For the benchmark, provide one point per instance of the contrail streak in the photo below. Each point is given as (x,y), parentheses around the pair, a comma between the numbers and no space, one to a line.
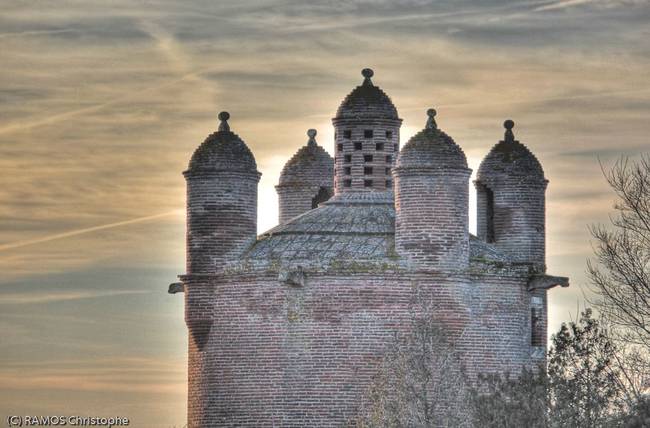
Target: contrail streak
(19,244)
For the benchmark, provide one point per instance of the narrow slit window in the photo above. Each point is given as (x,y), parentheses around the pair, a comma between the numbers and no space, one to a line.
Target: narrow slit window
(387,171)
(367,133)
(536,327)
(339,147)
(396,148)
(489,215)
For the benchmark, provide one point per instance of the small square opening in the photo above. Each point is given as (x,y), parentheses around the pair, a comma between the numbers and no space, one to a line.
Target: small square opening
(379,146)
(347,158)
(347,183)
(389,135)
(387,171)
(367,133)
(367,183)
(389,183)
(367,170)
(347,134)
(389,159)
(347,170)
(358,145)
(367,158)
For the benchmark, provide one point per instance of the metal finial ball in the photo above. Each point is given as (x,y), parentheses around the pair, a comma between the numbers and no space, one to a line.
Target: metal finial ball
(367,73)
(224,115)
(431,112)
(509,124)
(311,133)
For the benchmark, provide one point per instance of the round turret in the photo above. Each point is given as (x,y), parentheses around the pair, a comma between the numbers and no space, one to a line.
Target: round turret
(367,139)
(432,201)
(221,200)
(307,179)
(511,189)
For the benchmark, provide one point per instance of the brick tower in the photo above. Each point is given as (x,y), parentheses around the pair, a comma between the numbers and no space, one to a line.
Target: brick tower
(511,208)
(306,180)
(222,180)
(432,200)
(366,133)
(289,328)
(510,190)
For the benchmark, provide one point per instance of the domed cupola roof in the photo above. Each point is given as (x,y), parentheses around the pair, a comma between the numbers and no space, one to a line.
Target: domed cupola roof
(222,150)
(310,164)
(510,157)
(431,148)
(367,101)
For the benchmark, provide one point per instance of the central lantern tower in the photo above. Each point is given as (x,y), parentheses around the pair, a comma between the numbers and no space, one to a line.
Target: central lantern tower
(367,139)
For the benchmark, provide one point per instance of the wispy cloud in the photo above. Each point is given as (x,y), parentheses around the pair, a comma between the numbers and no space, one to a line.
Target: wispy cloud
(72,233)
(62,296)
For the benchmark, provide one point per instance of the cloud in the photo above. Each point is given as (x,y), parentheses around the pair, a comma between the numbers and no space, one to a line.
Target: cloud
(63,296)
(72,233)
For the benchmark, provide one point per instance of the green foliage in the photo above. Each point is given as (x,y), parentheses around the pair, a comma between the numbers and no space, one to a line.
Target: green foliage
(504,401)
(582,375)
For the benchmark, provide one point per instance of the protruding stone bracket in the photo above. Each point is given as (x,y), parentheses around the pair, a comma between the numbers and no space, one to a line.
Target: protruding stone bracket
(546,282)
(294,277)
(176,287)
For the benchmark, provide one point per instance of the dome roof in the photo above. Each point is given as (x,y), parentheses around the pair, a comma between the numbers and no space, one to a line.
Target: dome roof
(511,158)
(367,101)
(310,164)
(355,228)
(431,148)
(222,150)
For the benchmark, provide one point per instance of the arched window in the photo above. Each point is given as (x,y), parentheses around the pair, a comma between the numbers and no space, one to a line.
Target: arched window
(323,195)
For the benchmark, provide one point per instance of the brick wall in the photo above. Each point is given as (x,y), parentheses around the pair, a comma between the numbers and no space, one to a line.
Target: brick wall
(289,356)
(518,216)
(431,217)
(221,218)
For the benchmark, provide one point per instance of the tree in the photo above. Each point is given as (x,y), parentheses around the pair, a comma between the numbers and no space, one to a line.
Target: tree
(583,385)
(506,401)
(582,375)
(620,276)
(420,383)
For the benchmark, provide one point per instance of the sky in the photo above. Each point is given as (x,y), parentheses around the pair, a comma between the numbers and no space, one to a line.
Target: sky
(102,104)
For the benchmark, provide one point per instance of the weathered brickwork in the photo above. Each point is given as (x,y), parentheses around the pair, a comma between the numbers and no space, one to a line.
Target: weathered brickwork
(288,328)
(366,137)
(306,180)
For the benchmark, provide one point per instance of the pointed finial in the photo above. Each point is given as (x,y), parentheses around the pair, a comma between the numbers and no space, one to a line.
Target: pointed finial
(509,135)
(431,122)
(367,73)
(312,136)
(223,117)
